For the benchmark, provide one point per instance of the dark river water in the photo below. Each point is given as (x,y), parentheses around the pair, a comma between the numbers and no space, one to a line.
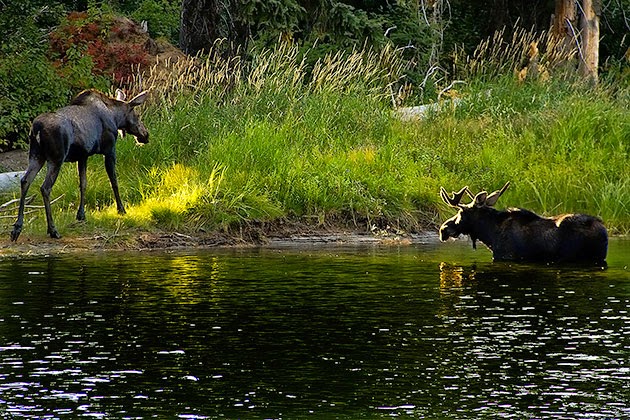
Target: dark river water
(430,330)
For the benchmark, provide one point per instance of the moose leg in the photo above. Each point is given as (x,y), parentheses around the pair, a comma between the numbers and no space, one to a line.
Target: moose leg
(110,167)
(34,165)
(82,163)
(51,177)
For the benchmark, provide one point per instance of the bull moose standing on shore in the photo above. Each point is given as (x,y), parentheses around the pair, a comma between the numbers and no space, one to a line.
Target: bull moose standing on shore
(88,126)
(521,235)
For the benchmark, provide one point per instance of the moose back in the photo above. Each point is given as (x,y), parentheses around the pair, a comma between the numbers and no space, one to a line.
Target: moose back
(88,126)
(521,235)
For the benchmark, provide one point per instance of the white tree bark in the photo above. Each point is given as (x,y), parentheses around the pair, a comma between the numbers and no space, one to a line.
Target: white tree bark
(589,28)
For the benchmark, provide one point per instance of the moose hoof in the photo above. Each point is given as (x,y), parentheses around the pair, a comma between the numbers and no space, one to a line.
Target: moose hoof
(54,234)
(81,215)
(121,211)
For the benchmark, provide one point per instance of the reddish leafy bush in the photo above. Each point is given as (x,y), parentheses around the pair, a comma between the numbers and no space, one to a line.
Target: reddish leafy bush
(115,46)
(126,59)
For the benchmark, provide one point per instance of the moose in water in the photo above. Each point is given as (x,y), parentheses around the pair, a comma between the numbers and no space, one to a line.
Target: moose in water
(521,235)
(88,126)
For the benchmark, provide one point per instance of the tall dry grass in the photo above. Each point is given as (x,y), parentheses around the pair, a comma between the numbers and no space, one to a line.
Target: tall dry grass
(171,77)
(282,70)
(506,54)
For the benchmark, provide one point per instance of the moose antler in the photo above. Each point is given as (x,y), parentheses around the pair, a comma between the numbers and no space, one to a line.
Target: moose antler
(457,196)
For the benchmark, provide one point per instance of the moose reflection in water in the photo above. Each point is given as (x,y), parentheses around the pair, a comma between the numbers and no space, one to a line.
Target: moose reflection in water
(521,235)
(88,126)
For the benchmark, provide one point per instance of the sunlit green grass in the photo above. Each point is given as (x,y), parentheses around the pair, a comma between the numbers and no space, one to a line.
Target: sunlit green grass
(332,152)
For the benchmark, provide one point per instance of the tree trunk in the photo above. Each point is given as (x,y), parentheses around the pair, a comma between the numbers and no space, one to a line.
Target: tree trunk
(585,37)
(500,14)
(203,22)
(437,26)
(198,29)
(565,22)
(589,27)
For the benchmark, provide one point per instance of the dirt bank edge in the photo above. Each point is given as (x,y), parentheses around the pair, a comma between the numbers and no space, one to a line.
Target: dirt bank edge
(37,244)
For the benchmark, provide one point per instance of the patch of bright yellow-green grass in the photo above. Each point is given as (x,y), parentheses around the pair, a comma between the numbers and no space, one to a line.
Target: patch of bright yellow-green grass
(170,196)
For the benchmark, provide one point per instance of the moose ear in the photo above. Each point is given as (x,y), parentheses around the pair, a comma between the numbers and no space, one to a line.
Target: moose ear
(120,95)
(494,197)
(139,99)
(480,199)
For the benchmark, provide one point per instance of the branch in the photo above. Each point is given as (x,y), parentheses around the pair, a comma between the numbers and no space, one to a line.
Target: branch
(5,206)
(576,39)
(449,87)
(41,207)
(10,216)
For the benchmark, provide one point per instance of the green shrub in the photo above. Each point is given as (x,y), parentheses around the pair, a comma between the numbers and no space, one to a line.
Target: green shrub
(30,83)
(91,47)
(29,86)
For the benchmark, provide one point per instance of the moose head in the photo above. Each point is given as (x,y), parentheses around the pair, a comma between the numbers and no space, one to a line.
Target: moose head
(132,123)
(470,217)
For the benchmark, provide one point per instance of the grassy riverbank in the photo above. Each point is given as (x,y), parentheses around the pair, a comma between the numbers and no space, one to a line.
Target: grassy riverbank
(227,150)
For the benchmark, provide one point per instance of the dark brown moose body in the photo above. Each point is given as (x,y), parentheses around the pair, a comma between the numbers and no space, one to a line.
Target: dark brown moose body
(521,235)
(88,126)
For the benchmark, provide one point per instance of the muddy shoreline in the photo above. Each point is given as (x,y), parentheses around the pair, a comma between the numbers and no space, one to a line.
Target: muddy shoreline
(37,245)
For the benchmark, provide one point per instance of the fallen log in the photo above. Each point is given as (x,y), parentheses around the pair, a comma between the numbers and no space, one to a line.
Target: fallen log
(10,180)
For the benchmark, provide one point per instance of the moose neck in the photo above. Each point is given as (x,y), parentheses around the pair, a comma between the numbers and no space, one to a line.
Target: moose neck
(487,227)
(119,116)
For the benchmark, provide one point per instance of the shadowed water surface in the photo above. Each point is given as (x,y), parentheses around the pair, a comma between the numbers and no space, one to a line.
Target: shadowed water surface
(430,330)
